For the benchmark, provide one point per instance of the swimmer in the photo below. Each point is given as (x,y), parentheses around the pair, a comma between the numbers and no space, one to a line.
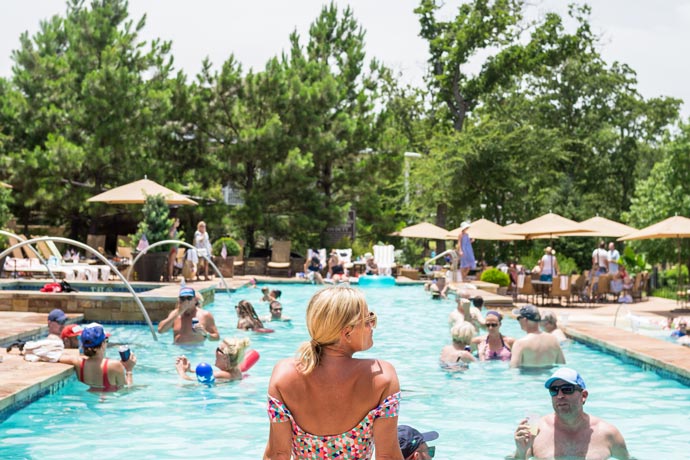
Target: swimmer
(494,345)
(180,319)
(549,323)
(458,355)
(247,319)
(276,309)
(229,355)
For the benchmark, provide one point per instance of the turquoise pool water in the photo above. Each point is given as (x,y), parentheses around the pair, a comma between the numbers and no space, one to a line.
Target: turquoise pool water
(475,412)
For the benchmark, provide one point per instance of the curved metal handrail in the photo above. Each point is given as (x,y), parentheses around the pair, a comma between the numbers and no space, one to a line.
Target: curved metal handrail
(188,246)
(21,238)
(453,254)
(99,256)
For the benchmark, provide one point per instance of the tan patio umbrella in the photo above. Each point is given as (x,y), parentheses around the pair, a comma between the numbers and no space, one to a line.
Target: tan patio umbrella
(483,229)
(4,185)
(136,193)
(674,227)
(423,230)
(603,226)
(548,226)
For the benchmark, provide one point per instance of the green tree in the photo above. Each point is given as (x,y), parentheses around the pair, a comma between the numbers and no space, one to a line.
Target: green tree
(92,108)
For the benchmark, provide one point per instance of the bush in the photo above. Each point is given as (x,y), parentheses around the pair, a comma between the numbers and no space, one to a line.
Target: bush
(231,246)
(669,277)
(495,276)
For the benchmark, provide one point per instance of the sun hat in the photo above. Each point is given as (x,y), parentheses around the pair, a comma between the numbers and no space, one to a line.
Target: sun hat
(528,311)
(204,373)
(567,375)
(186,292)
(464,225)
(57,315)
(410,439)
(368,255)
(92,336)
(73,330)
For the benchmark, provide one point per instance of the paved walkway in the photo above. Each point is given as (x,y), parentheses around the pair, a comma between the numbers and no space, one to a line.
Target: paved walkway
(22,382)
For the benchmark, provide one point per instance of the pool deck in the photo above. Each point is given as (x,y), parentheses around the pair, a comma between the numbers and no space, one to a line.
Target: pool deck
(22,382)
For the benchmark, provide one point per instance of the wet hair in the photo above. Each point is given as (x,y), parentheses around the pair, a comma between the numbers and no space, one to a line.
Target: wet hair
(245,308)
(477,301)
(91,351)
(274,303)
(496,314)
(233,349)
(329,311)
(463,332)
(276,294)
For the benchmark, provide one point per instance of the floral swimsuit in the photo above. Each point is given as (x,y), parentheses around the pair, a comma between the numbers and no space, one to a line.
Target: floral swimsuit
(355,443)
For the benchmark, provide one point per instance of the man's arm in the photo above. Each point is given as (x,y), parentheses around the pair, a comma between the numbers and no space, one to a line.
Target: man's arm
(516,354)
(210,327)
(167,323)
(618,448)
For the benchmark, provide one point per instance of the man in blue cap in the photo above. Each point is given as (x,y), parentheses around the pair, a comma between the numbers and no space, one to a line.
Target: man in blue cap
(190,324)
(56,321)
(569,432)
(413,444)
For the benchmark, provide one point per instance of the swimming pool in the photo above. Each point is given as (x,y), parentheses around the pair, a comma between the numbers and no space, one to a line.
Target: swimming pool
(79,286)
(475,412)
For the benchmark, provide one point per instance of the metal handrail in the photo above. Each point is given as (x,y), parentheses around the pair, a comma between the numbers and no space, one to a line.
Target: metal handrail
(188,246)
(99,256)
(453,254)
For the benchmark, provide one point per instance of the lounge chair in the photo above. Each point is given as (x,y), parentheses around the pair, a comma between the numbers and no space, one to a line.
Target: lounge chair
(280,258)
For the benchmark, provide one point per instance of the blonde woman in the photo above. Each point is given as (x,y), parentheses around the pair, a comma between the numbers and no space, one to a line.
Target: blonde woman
(344,405)
(229,355)
(203,245)
(458,354)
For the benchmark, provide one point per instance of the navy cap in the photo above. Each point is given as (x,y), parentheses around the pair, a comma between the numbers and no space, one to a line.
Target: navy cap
(528,311)
(410,439)
(57,315)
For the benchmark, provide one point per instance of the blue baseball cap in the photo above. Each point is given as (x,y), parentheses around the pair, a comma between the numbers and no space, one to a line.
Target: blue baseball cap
(92,336)
(567,375)
(204,373)
(57,315)
(186,292)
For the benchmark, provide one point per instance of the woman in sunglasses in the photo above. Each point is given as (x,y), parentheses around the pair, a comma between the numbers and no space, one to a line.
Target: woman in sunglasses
(229,355)
(329,391)
(494,345)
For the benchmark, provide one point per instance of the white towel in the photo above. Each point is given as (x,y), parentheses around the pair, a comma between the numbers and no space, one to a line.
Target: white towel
(43,350)
(564,282)
(521,281)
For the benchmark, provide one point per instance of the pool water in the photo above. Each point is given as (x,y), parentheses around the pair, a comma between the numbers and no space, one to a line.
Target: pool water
(475,412)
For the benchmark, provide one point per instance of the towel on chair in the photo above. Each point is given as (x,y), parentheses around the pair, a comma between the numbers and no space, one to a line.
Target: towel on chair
(521,281)
(564,282)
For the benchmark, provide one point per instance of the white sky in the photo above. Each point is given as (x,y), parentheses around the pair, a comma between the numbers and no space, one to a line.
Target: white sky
(652,37)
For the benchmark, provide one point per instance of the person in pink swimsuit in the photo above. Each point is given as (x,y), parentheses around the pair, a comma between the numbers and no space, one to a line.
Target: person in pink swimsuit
(95,370)
(326,404)
(494,345)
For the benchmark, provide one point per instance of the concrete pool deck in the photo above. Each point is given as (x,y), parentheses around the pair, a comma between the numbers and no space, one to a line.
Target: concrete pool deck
(22,382)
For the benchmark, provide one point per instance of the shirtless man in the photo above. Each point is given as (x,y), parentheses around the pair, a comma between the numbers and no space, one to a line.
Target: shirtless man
(180,320)
(537,348)
(466,312)
(569,433)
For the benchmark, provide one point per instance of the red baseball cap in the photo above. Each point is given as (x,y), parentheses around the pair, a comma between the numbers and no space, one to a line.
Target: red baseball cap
(73,330)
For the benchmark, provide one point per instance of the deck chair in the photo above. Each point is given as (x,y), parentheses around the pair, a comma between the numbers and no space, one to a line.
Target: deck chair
(561,288)
(639,286)
(524,286)
(239,260)
(384,256)
(280,258)
(601,288)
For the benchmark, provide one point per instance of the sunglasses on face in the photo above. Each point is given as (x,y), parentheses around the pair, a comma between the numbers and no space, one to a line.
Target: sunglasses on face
(218,350)
(431,451)
(371,319)
(491,324)
(567,389)
(276,309)
(186,298)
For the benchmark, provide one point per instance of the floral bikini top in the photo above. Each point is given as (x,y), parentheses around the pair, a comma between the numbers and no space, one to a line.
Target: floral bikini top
(355,443)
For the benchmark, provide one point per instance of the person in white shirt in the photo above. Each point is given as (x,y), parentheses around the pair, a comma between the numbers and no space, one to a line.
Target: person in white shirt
(600,262)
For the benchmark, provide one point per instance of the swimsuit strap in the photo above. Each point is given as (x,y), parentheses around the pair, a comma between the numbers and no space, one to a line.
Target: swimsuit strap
(80,373)
(106,383)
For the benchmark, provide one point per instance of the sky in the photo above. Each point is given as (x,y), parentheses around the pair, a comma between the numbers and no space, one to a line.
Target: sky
(653,38)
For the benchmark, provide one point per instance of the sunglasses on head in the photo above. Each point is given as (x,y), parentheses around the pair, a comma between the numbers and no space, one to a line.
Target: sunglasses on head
(186,298)
(567,389)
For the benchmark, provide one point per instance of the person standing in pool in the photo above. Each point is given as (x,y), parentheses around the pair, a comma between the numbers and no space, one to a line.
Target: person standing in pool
(569,433)
(344,405)
(537,348)
(180,319)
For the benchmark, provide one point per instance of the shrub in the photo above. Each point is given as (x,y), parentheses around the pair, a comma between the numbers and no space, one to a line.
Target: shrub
(669,276)
(155,224)
(231,246)
(495,276)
